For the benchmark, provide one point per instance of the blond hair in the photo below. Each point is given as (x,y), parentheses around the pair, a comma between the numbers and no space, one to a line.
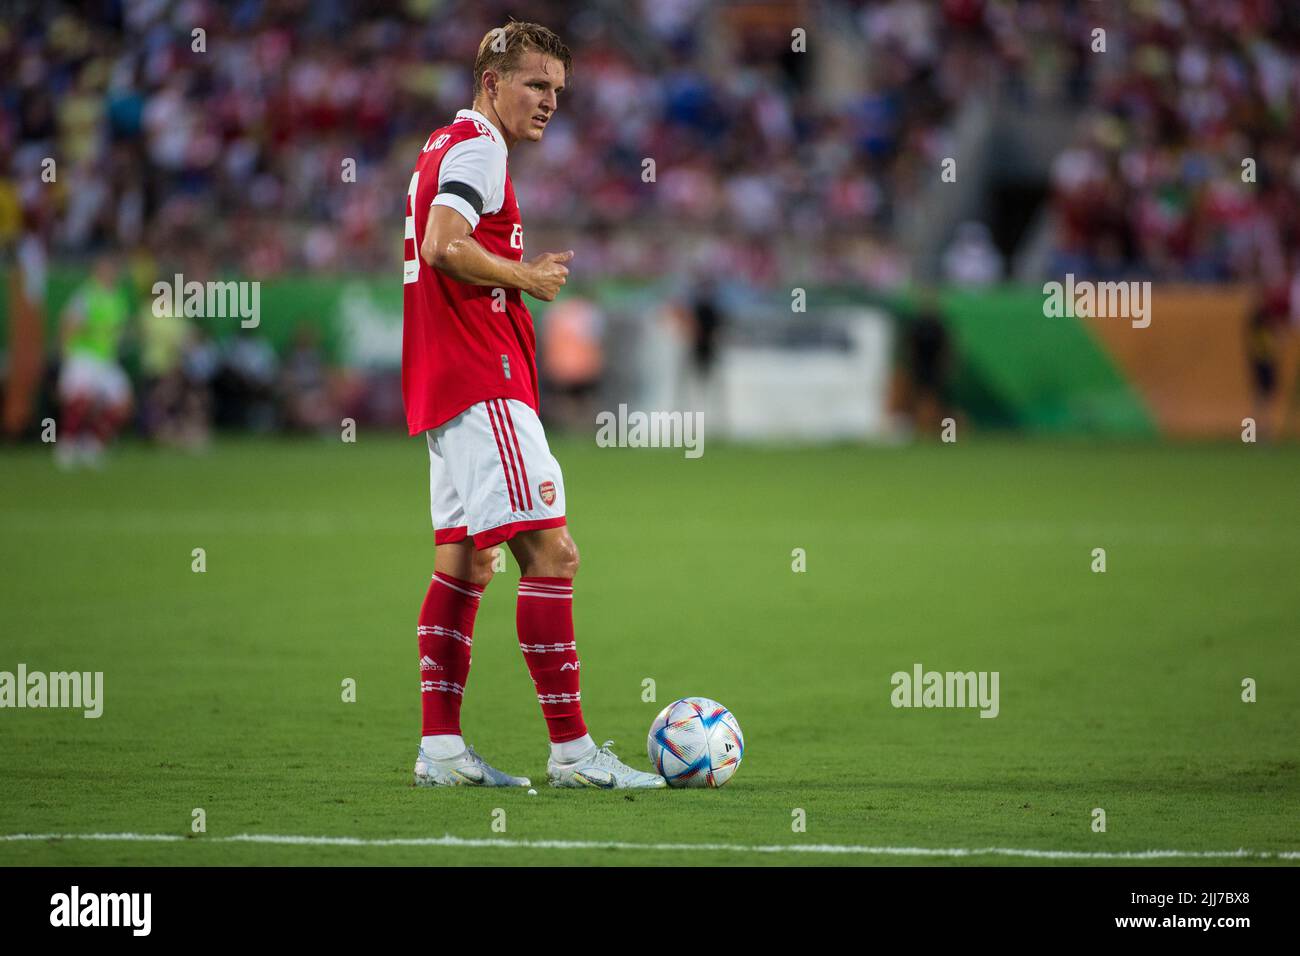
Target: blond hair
(503,46)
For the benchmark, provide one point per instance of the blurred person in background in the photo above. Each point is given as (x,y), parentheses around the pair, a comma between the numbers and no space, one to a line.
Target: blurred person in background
(304,384)
(572,360)
(928,356)
(200,361)
(94,392)
(706,324)
(163,337)
(1266,333)
(244,388)
(663,353)
(26,335)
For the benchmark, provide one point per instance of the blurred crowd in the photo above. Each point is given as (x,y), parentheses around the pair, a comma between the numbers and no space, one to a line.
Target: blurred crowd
(235,141)
(1188,166)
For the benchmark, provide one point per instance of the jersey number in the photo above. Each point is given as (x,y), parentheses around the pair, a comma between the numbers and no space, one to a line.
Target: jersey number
(411,267)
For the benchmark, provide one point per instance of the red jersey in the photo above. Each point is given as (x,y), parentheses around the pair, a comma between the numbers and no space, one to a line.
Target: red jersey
(463,344)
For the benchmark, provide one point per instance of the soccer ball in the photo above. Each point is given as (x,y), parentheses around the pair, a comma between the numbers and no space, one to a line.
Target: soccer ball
(695,742)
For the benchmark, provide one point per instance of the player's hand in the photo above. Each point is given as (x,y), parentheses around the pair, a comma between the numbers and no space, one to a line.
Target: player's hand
(546,274)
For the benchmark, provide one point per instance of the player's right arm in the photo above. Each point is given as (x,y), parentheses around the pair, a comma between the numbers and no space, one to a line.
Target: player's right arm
(448,247)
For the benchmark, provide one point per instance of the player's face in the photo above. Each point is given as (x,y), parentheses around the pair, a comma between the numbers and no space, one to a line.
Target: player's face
(528,97)
(106,272)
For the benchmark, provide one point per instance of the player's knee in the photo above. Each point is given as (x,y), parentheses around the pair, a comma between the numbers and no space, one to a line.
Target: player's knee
(483,567)
(564,558)
(546,554)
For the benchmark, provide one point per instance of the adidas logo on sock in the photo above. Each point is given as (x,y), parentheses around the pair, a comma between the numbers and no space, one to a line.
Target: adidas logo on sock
(427,663)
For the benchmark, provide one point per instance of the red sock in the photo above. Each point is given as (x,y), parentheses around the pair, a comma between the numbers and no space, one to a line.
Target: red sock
(446,632)
(106,424)
(544,617)
(75,411)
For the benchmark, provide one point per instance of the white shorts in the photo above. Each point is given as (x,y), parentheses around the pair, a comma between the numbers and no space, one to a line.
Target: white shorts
(492,475)
(86,376)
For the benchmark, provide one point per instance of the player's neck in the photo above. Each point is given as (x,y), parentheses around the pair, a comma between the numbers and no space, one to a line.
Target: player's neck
(482,106)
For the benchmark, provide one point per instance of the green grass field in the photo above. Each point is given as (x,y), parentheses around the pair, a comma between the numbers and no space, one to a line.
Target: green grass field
(1119,690)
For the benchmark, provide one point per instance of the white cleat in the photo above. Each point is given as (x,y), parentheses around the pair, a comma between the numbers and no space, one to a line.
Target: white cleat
(466,769)
(601,769)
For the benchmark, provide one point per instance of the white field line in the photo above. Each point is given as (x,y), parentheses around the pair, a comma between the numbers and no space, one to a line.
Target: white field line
(824,848)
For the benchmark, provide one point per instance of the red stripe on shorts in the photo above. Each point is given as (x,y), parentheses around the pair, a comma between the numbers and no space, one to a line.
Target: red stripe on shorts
(515,438)
(516,462)
(510,489)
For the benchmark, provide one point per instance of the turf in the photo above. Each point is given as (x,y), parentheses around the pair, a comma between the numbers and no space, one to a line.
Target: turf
(1119,691)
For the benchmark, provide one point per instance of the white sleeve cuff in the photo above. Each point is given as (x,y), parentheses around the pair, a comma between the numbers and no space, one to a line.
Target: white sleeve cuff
(458,204)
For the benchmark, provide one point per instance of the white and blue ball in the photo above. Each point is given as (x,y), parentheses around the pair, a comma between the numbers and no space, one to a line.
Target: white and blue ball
(695,742)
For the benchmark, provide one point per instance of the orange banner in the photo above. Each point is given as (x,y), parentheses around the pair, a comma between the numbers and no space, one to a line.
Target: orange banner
(1192,365)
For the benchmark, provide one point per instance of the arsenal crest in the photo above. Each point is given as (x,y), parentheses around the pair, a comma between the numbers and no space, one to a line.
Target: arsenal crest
(547,490)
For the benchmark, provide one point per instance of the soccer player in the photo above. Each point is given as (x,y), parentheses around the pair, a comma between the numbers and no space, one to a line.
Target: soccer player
(94,392)
(469,380)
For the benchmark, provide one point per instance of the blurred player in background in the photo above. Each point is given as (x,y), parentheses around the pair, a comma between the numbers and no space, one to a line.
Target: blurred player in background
(469,379)
(929,360)
(707,322)
(1266,329)
(94,392)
